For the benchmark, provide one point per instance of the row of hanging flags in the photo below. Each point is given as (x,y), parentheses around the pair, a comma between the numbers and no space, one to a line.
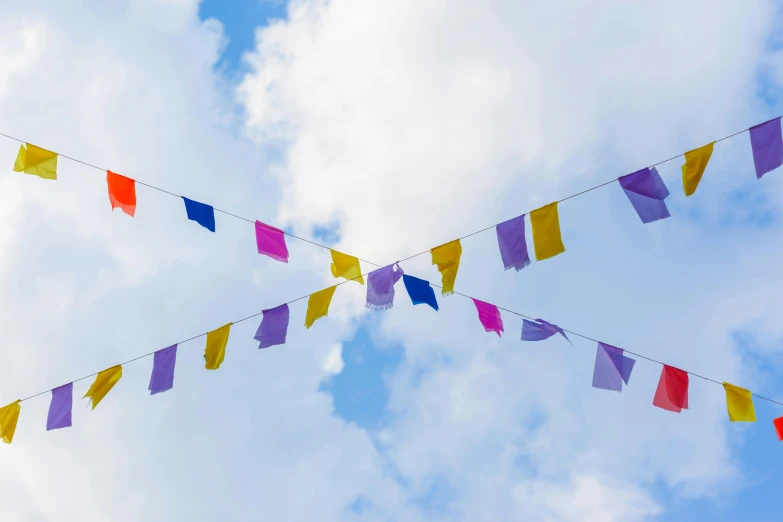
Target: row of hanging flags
(645,190)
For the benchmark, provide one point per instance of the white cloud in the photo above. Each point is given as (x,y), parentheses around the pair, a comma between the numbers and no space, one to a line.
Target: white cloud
(333,362)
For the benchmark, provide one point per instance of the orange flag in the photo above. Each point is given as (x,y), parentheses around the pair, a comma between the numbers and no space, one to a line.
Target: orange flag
(122,192)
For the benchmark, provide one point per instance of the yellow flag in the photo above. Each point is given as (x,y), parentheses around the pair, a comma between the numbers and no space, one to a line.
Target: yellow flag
(8,416)
(346,266)
(546,232)
(447,258)
(695,163)
(739,401)
(318,305)
(215,351)
(37,161)
(103,384)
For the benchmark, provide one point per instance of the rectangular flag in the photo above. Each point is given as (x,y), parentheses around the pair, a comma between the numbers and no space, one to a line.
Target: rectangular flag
(420,291)
(672,391)
(739,402)
(767,145)
(546,232)
(646,191)
(318,305)
(695,164)
(380,287)
(122,192)
(489,315)
(163,363)
(512,244)
(274,327)
(103,384)
(612,368)
(9,415)
(36,161)
(778,423)
(270,241)
(447,258)
(201,213)
(346,266)
(60,408)
(215,350)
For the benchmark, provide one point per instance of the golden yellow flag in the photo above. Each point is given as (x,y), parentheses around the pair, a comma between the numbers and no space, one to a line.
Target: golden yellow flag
(447,258)
(37,161)
(318,305)
(695,163)
(103,384)
(546,232)
(346,266)
(215,351)
(8,416)
(739,402)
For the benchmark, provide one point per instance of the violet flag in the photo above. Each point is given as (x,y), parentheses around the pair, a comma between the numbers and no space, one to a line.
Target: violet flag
(163,362)
(646,191)
(489,315)
(511,240)
(274,327)
(612,368)
(380,287)
(60,408)
(540,330)
(767,144)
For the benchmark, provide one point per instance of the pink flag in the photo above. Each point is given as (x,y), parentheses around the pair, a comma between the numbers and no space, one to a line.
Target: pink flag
(489,315)
(271,242)
(672,392)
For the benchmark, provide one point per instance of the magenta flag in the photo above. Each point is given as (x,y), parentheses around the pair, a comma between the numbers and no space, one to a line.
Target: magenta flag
(380,287)
(163,362)
(271,242)
(274,327)
(767,144)
(489,315)
(60,408)
(612,368)
(512,244)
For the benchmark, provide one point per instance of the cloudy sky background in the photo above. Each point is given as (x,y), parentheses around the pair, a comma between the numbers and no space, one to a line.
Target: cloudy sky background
(383,129)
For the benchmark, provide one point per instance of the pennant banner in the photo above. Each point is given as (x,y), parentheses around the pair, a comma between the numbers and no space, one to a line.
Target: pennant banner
(766,143)
(646,192)
(512,244)
(270,241)
(201,213)
(36,161)
(489,315)
(739,403)
(273,328)
(778,423)
(380,287)
(346,266)
(545,222)
(672,391)
(447,258)
(540,330)
(420,291)
(9,415)
(103,384)
(612,368)
(215,351)
(60,408)
(695,163)
(163,363)
(318,305)
(122,192)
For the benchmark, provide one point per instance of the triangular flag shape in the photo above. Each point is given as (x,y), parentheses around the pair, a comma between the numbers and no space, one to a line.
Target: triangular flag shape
(695,163)
(103,384)
(545,222)
(778,423)
(346,266)
(9,415)
(215,351)
(122,192)
(447,258)
(739,402)
(36,161)
(539,330)
(318,305)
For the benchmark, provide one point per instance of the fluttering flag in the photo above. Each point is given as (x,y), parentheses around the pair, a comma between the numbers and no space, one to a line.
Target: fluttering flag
(695,163)
(511,240)
(489,315)
(346,266)
(201,213)
(447,258)
(739,402)
(122,192)
(274,327)
(103,384)
(318,305)
(420,291)
(672,391)
(646,191)
(163,363)
(9,415)
(545,222)
(612,368)
(60,408)
(36,161)
(778,423)
(540,330)
(270,241)
(215,351)
(380,287)
(767,144)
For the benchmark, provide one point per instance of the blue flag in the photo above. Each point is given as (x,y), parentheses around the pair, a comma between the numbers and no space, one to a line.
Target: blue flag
(420,291)
(201,213)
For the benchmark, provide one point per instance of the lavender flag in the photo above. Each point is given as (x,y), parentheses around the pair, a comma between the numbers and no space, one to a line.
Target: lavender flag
(60,408)
(162,378)
(612,368)
(380,287)
(767,144)
(511,240)
(273,328)
(646,191)
(540,330)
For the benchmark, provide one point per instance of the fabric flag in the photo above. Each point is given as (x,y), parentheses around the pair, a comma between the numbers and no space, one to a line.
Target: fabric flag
(612,368)
(546,232)
(447,258)
(103,384)
(9,415)
(420,291)
(695,163)
(511,240)
(270,241)
(739,402)
(163,362)
(215,351)
(273,328)
(318,305)
(122,192)
(346,266)
(778,423)
(540,330)
(36,161)
(201,213)
(767,144)
(646,191)
(60,408)
(380,287)
(489,315)
(672,392)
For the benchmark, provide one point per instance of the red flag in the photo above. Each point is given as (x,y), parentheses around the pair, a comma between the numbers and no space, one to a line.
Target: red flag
(672,392)
(122,192)
(779,427)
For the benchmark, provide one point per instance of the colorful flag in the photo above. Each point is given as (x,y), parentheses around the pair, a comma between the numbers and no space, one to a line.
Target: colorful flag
(695,163)
(778,423)
(380,287)
(60,408)
(447,258)
(273,328)
(215,351)
(103,384)
(612,368)
(739,402)
(163,362)
(767,144)
(346,266)
(420,291)
(36,161)
(672,391)
(511,240)
(540,330)
(201,213)
(646,191)
(489,315)
(546,232)
(122,192)
(9,415)
(270,241)
(318,305)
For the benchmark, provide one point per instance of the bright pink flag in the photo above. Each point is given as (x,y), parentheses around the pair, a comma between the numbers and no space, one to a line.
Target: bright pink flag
(672,392)
(489,315)
(271,242)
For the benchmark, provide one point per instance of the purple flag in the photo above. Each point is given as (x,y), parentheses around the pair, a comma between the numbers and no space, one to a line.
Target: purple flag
(60,408)
(511,240)
(646,191)
(380,287)
(767,144)
(162,378)
(273,327)
(612,368)
(540,330)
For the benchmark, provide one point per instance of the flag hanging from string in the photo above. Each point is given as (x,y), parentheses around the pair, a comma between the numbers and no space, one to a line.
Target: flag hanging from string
(612,368)
(672,391)
(766,142)
(739,403)
(122,192)
(646,191)
(9,415)
(163,363)
(540,330)
(545,222)
(346,266)
(36,161)
(274,327)
(380,287)
(512,244)
(215,350)
(201,213)
(489,316)
(693,169)
(270,241)
(420,291)
(103,384)
(60,408)
(447,258)
(318,305)
(778,423)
